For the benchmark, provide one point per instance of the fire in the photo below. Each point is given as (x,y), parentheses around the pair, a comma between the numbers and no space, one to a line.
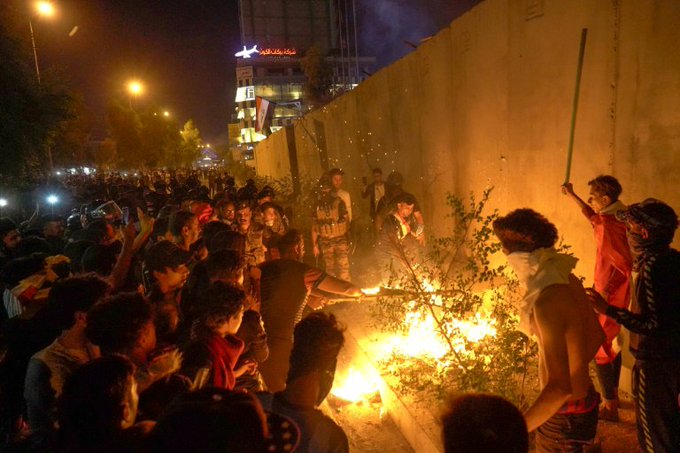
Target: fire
(370,291)
(423,337)
(357,385)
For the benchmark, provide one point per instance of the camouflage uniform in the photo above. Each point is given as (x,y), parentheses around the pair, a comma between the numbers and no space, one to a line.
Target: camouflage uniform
(332,227)
(254,245)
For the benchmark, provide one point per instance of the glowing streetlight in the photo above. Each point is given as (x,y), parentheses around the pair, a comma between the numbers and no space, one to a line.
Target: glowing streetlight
(52,199)
(45,9)
(135,88)
(42,9)
(166,114)
(3,202)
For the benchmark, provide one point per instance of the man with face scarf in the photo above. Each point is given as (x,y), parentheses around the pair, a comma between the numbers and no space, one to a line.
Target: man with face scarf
(555,312)
(654,323)
(318,340)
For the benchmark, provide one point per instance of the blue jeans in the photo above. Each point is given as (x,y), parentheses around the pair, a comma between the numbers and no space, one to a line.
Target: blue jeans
(568,432)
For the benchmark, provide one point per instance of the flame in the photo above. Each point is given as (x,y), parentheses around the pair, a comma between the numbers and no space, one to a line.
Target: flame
(370,291)
(423,338)
(357,385)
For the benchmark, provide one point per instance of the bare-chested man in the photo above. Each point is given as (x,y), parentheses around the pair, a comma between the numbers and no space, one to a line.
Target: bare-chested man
(556,313)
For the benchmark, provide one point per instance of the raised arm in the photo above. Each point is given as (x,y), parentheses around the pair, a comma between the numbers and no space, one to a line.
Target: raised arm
(568,189)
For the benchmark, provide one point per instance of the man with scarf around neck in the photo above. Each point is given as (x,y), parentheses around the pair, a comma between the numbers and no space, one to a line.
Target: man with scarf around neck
(654,323)
(613,265)
(555,312)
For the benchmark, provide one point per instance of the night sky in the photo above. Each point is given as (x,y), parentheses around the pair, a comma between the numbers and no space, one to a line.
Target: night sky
(183,50)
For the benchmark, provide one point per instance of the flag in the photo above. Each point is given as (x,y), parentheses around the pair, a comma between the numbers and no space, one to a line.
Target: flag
(263,111)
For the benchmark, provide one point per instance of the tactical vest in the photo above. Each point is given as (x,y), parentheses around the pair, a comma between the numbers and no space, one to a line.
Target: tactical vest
(328,220)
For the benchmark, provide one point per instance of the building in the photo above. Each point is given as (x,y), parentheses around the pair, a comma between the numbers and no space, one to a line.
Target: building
(275,34)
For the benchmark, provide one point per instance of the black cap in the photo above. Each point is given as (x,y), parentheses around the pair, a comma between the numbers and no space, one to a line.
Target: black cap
(652,214)
(335,171)
(165,254)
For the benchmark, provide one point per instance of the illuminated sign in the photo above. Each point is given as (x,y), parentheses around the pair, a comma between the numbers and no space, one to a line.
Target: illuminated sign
(275,52)
(268,52)
(246,53)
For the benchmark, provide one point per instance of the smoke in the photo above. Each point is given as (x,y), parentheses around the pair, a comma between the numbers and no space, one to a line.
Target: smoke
(385,25)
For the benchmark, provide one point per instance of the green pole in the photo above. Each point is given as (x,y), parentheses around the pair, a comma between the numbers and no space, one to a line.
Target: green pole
(574,110)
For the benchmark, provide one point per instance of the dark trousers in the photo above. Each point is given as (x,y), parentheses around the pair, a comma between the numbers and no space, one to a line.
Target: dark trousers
(567,433)
(608,376)
(656,386)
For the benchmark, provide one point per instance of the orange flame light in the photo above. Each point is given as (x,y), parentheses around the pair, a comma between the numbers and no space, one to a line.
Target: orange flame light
(357,385)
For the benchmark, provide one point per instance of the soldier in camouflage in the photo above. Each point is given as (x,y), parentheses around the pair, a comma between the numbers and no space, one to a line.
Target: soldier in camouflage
(253,232)
(330,231)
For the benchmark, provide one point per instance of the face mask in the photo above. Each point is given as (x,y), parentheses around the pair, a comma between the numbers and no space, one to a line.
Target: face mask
(326,383)
(524,265)
(640,245)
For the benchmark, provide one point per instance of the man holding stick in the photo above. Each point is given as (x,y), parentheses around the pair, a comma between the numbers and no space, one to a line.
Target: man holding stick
(613,266)
(554,311)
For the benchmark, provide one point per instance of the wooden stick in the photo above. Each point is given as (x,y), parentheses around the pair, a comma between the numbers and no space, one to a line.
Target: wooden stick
(579,70)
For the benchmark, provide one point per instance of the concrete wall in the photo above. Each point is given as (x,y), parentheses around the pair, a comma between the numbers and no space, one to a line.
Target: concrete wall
(487,101)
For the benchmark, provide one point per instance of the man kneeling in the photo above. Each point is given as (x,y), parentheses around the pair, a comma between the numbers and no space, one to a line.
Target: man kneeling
(555,312)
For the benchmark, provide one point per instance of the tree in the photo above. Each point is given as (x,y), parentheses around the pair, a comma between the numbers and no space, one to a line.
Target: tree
(319,77)
(189,149)
(160,139)
(32,116)
(125,129)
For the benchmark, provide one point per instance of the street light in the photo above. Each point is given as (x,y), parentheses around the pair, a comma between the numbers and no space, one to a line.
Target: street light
(166,114)
(43,9)
(135,88)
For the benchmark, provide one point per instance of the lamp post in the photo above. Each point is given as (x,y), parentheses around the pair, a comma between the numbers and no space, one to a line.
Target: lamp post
(43,9)
(135,88)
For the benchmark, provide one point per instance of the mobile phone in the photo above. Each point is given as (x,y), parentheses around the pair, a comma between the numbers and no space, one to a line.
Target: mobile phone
(126,215)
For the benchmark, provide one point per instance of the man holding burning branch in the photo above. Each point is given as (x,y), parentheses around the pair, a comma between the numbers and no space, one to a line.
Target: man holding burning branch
(556,313)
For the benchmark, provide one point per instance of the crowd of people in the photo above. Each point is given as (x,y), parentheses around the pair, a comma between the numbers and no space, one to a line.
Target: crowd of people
(174,311)
(162,312)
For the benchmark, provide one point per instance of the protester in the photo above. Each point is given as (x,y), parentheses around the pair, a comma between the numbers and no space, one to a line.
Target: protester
(166,271)
(49,368)
(555,312)
(654,323)
(213,421)
(98,408)
(613,265)
(285,289)
(123,324)
(184,228)
(476,422)
(317,342)
(212,354)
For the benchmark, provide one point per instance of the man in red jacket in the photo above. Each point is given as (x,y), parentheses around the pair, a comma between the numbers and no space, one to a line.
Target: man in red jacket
(613,265)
